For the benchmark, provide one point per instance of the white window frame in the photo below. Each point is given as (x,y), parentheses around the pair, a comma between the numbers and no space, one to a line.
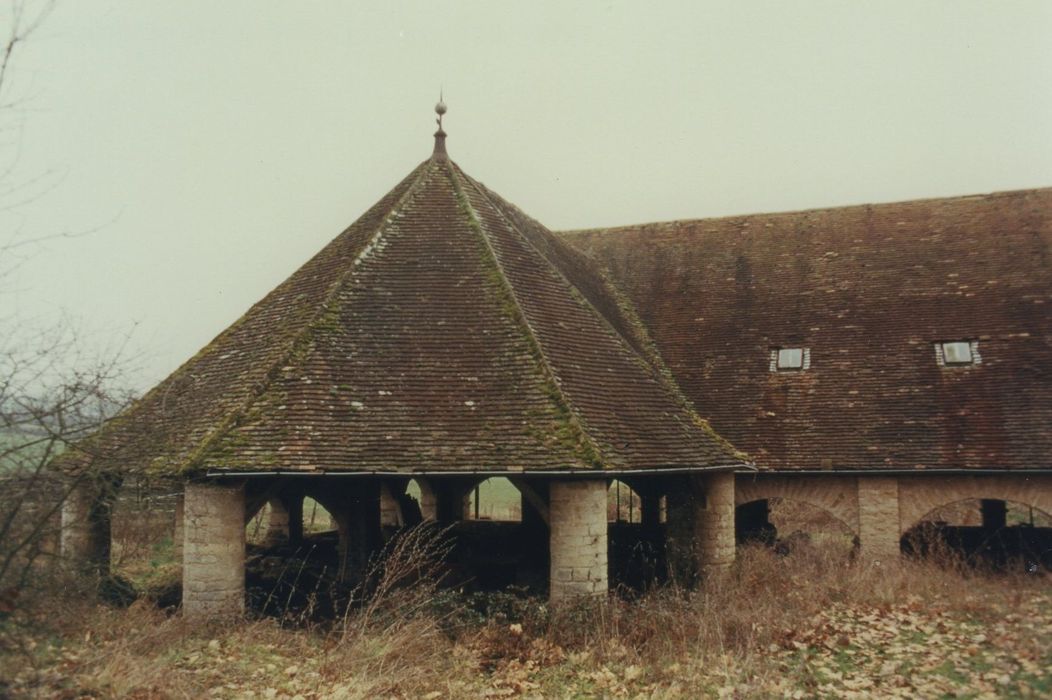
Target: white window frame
(776,357)
(941,357)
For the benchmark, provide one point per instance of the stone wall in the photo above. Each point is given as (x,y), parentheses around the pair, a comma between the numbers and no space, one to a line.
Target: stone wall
(578,542)
(878,517)
(920,495)
(213,549)
(836,495)
(880,509)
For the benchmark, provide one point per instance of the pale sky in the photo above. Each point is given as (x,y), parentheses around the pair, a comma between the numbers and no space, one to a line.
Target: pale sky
(207,149)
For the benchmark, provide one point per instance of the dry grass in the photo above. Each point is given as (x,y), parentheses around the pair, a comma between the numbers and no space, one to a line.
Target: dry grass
(812,623)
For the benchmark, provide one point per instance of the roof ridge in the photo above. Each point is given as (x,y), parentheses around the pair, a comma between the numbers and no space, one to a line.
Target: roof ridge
(623,228)
(654,364)
(236,413)
(593,453)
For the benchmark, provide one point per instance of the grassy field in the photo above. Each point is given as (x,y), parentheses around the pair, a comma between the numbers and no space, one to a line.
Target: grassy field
(811,624)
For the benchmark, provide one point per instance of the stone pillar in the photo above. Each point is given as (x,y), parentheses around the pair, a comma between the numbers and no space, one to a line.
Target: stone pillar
(178,532)
(700,530)
(679,531)
(86,516)
(650,510)
(428,500)
(878,518)
(995,513)
(390,509)
(714,522)
(214,550)
(294,506)
(357,517)
(451,499)
(277,523)
(578,542)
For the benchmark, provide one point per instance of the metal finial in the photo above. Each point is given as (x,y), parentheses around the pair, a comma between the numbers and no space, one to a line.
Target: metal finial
(440,135)
(440,109)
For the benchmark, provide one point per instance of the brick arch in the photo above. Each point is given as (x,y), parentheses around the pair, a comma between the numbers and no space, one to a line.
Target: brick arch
(838,496)
(919,496)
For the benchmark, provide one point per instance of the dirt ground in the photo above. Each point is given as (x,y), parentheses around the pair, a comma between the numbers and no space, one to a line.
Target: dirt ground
(810,624)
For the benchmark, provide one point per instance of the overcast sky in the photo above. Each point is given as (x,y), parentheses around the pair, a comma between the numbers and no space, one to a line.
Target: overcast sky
(206,149)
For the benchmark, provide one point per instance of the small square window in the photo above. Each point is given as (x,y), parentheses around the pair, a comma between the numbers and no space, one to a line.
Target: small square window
(790,358)
(957,352)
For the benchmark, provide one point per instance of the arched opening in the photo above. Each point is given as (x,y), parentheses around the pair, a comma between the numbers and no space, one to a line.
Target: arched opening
(987,532)
(495,499)
(316,518)
(623,504)
(420,497)
(787,524)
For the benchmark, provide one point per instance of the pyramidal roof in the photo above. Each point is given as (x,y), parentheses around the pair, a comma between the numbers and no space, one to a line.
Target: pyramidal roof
(443,331)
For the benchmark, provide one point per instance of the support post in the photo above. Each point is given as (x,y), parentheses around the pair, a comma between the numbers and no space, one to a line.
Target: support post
(390,508)
(649,510)
(294,506)
(451,499)
(578,540)
(86,524)
(995,513)
(214,550)
(878,518)
(714,523)
(357,518)
(428,500)
(700,529)
(279,522)
(679,531)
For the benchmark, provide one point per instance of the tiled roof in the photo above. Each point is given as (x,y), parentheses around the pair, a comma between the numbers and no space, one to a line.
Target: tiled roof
(442,331)
(869,290)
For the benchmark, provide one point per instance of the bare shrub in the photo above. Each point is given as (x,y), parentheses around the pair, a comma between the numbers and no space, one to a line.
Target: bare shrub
(401,583)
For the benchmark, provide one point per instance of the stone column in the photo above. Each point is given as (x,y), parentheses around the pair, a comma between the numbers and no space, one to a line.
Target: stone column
(451,499)
(357,516)
(679,530)
(700,529)
(714,522)
(650,510)
(294,506)
(578,542)
(878,518)
(428,500)
(390,509)
(994,512)
(285,520)
(214,550)
(86,516)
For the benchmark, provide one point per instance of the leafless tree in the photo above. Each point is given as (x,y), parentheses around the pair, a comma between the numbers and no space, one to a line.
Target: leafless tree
(53,394)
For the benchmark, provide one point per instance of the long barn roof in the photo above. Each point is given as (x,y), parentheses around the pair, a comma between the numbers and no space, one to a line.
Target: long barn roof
(869,290)
(443,331)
